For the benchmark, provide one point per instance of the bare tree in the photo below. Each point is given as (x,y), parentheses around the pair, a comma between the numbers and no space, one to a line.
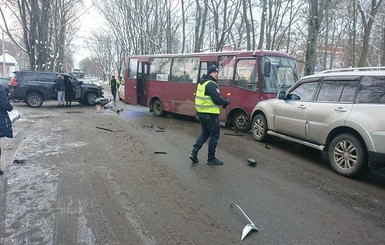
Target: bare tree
(45,26)
(263,24)
(368,19)
(317,9)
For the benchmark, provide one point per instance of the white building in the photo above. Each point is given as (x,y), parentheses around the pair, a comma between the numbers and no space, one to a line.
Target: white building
(10,66)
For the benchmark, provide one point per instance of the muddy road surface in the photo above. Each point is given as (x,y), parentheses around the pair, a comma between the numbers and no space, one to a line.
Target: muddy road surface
(98,176)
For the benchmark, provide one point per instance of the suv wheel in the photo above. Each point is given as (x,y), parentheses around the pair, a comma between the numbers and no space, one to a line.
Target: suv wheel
(347,156)
(241,121)
(34,100)
(259,127)
(90,98)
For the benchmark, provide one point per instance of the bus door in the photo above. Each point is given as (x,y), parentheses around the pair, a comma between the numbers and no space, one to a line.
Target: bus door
(141,83)
(130,88)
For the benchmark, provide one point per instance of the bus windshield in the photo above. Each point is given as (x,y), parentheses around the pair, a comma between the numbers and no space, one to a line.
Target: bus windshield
(283,74)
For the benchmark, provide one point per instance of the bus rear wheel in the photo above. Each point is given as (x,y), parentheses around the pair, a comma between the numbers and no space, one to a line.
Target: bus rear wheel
(157,108)
(241,121)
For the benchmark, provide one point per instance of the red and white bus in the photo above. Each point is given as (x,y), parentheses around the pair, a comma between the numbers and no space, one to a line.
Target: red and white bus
(166,83)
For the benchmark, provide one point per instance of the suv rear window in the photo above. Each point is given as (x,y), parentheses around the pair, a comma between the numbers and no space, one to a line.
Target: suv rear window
(372,90)
(338,91)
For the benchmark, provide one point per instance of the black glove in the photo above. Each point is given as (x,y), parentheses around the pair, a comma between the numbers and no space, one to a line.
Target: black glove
(227,102)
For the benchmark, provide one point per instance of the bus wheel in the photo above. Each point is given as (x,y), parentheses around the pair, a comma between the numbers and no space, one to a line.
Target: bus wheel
(241,121)
(259,128)
(157,108)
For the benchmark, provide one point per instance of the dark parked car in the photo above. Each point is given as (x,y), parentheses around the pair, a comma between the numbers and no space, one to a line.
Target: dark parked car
(6,83)
(34,87)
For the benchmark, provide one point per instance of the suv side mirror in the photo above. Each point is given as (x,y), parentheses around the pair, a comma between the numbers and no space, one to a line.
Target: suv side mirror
(281,95)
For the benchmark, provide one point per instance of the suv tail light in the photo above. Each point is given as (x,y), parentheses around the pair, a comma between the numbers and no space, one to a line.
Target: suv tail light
(13,82)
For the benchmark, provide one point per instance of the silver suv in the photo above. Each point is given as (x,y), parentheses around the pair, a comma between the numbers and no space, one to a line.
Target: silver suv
(341,112)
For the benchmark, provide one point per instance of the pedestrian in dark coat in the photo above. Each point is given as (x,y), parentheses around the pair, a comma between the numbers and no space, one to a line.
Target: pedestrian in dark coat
(69,91)
(5,121)
(61,90)
(114,86)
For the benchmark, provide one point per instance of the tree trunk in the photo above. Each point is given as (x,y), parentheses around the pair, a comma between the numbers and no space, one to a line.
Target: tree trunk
(263,25)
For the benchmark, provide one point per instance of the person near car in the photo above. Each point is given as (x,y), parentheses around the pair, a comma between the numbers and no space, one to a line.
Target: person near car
(114,86)
(120,81)
(5,121)
(60,89)
(69,91)
(207,103)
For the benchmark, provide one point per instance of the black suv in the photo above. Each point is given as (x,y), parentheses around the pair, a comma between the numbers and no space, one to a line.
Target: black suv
(34,87)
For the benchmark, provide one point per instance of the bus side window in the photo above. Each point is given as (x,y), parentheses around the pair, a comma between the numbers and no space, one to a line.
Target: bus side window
(160,69)
(204,66)
(226,69)
(183,69)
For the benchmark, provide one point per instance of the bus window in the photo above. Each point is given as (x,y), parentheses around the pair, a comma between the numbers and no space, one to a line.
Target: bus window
(226,69)
(204,66)
(132,68)
(160,69)
(246,75)
(185,70)
(282,75)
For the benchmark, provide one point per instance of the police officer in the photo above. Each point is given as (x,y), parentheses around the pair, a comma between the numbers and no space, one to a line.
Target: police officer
(207,103)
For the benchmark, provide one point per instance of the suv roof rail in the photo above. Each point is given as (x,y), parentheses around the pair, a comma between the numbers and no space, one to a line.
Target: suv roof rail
(376,68)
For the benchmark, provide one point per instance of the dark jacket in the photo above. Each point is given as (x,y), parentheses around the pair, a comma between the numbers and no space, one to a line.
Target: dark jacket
(5,121)
(60,86)
(69,88)
(211,90)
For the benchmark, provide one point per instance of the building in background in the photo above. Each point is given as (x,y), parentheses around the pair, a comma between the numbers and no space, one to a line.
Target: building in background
(8,64)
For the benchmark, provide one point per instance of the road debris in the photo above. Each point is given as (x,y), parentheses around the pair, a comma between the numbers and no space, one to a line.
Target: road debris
(248,227)
(252,162)
(107,129)
(102,101)
(160,152)
(234,134)
(19,161)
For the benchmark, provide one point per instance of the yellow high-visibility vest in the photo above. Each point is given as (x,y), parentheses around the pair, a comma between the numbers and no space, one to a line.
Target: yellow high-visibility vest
(204,103)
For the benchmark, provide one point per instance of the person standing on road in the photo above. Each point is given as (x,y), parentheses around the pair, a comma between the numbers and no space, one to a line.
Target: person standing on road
(120,81)
(114,86)
(69,91)
(5,121)
(207,103)
(60,89)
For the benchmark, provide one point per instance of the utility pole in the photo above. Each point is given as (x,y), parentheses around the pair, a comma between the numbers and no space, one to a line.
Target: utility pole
(3,56)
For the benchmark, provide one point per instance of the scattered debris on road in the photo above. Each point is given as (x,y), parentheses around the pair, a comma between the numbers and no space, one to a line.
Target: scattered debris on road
(19,161)
(234,134)
(107,129)
(160,152)
(248,227)
(252,162)
(102,101)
